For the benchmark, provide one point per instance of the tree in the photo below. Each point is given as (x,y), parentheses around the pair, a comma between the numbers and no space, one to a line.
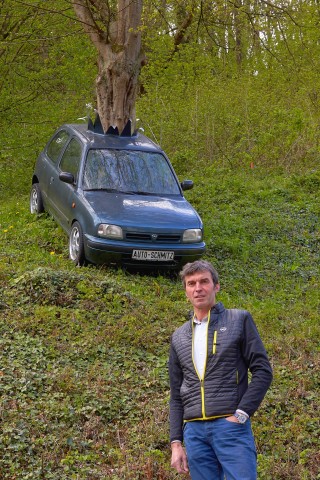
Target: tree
(114,30)
(19,25)
(38,43)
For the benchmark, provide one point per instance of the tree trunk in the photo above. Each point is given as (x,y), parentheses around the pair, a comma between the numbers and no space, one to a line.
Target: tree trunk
(117,37)
(238,26)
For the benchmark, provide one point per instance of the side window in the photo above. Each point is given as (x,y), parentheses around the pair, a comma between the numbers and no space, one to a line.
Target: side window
(71,158)
(57,145)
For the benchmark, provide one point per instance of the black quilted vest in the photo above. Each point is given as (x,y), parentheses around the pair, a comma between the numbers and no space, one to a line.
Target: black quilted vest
(226,376)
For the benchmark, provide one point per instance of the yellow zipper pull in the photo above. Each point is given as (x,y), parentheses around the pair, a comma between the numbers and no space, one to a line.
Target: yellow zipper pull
(214,342)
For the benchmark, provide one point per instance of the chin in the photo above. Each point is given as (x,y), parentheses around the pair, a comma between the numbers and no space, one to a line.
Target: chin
(201,304)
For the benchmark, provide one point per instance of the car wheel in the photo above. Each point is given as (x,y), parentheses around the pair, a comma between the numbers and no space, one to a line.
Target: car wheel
(76,247)
(36,203)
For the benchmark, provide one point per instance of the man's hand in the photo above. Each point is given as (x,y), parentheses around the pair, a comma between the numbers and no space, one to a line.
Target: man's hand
(232,418)
(179,458)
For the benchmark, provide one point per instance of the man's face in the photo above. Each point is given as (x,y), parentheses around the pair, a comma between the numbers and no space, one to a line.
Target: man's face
(201,290)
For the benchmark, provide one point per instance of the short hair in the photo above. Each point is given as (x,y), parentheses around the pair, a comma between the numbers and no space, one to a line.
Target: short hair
(198,266)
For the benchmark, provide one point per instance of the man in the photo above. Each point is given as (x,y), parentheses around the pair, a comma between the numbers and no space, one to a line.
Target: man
(211,401)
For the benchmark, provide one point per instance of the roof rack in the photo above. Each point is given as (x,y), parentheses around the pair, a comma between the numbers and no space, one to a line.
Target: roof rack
(96,127)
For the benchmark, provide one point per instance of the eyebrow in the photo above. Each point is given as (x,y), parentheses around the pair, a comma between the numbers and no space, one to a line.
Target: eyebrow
(202,280)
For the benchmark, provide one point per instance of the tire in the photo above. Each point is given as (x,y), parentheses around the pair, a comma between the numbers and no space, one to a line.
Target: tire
(36,202)
(76,246)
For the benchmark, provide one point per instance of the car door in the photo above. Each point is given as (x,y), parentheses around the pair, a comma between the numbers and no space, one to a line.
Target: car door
(48,161)
(63,195)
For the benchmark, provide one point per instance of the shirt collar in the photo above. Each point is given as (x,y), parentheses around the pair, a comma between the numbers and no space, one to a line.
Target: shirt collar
(198,322)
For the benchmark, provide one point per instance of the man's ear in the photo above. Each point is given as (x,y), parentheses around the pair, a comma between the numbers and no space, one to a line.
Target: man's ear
(217,287)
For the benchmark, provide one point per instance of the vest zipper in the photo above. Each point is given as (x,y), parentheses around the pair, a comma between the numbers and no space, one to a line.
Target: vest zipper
(203,409)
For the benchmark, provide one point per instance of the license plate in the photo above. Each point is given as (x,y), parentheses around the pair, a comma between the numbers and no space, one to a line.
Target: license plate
(153,255)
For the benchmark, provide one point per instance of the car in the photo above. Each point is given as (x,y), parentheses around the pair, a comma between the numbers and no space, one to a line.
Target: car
(117,197)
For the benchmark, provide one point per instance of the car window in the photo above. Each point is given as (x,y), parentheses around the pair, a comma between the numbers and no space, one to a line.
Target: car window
(129,171)
(71,158)
(56,145)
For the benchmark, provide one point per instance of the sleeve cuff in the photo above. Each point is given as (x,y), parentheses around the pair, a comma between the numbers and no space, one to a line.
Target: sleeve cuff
(242,412)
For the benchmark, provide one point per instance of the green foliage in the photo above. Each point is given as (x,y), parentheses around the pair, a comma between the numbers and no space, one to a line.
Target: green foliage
(83,351)
(226,120)
(47,70)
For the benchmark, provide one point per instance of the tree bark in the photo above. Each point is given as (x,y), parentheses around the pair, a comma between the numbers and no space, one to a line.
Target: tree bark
(117,38)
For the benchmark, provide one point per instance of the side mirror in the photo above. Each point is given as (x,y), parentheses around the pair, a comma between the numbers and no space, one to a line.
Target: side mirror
(66,177)
(186,184)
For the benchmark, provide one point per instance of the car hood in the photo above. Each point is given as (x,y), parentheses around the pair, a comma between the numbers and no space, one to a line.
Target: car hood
(143,210)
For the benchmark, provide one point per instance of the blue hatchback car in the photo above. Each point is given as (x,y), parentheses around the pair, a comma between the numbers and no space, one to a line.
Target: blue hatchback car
(117,197)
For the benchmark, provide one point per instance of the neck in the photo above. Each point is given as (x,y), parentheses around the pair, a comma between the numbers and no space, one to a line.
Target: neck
(200,314)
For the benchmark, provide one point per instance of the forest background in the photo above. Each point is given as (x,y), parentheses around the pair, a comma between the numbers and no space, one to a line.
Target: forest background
(231,91)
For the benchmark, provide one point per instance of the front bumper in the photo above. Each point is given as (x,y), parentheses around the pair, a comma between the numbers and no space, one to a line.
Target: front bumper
(101,251)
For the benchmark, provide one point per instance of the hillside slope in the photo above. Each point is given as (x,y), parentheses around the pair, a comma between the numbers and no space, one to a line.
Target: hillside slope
(83,351)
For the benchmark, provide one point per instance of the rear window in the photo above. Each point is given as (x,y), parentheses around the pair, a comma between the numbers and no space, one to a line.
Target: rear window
(56,145)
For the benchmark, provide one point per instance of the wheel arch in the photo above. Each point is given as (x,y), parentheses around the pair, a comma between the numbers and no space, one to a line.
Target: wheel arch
(34,179)
(81,254)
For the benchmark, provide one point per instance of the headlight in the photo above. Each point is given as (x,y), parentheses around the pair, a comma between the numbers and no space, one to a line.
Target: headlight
(193,235)
(110,231)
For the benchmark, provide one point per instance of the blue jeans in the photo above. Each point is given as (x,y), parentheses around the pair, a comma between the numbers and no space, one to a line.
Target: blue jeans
(219,449)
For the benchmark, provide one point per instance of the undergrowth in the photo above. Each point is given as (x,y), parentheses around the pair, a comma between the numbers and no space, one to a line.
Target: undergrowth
(83,351)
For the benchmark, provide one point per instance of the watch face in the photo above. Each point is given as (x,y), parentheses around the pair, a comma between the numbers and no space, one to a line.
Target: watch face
(241,418)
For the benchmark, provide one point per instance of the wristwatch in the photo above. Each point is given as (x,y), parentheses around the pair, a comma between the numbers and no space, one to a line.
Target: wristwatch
(241,417)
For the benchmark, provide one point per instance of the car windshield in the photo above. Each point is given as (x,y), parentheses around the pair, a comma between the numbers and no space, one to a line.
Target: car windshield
(129,172)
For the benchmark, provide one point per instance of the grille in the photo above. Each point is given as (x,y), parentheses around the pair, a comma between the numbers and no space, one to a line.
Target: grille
(147,237)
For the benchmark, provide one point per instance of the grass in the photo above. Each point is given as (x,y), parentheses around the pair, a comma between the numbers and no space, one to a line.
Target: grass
(83,351)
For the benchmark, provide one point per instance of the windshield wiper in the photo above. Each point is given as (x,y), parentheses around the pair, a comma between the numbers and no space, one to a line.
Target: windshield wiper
(111,190)
(114,190)
(137,192)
